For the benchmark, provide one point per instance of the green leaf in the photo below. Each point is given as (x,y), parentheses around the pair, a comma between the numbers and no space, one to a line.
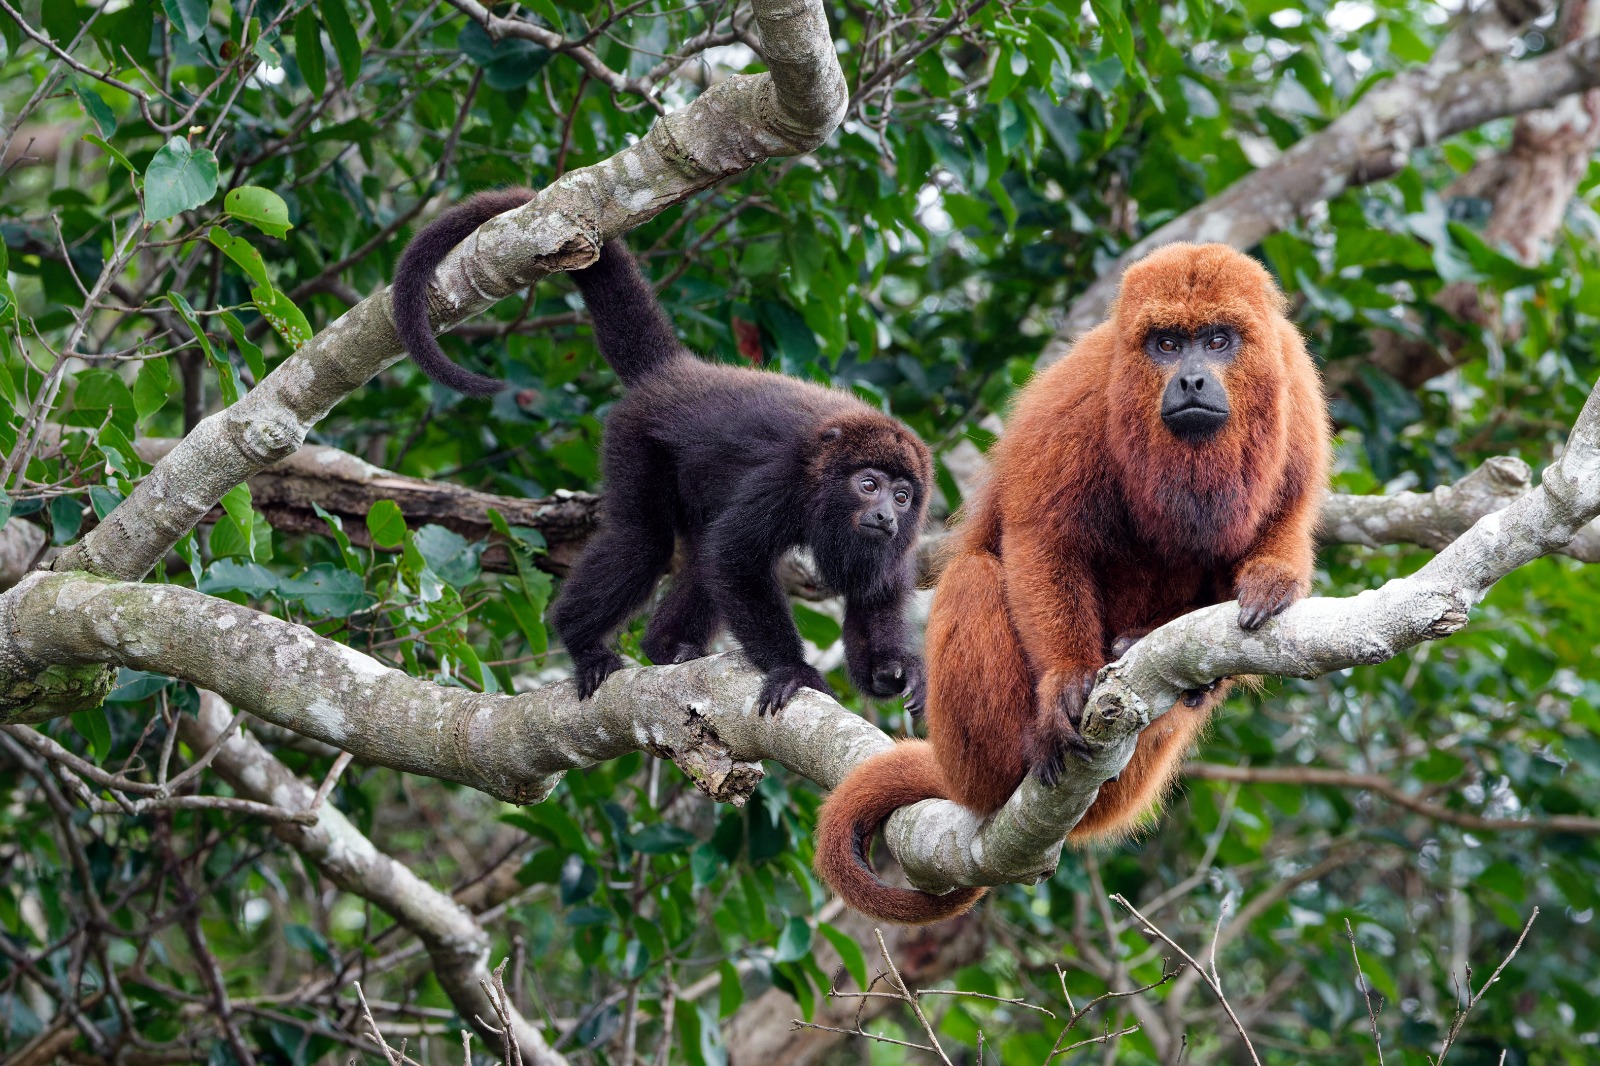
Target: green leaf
(386,524)
(850,953)
(448,554)
(95,727)
(6,507)
(282,315)
(258,207)
(104,500)
(326,590)
(661,839)
(730,992)
(241,252)
(794,942)
(236,502)
(248,349)
(308,51)
(179,178)
(228,575)
(66,518)
(106,147)
(346,45)
(189,17)
(815,626)
(508,64)
(99,112)
(352,559)
(384,17)
(152,386)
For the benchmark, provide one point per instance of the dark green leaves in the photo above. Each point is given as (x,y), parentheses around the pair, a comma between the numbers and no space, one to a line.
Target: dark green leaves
(507,64)
(188,17)
(179,178)
(346,45)
(308,51)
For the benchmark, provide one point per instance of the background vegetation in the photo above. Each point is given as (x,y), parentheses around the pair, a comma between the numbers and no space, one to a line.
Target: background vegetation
(996,158)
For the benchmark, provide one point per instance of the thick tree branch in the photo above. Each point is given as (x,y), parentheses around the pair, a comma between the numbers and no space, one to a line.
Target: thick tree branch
(1462,87)
(728,129)
(456,944)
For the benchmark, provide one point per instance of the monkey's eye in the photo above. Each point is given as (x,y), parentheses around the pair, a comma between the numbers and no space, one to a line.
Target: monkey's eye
(1167,344)
(869,485)
(1218,342)
(902,497)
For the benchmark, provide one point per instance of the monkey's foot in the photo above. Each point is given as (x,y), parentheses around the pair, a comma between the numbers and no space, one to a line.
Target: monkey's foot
(672,654)
(1051,742)
(783,682)
(591,668)
(1122,644)
(892,677)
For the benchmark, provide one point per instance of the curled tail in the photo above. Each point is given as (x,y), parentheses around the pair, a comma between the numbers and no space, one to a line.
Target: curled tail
(633,332)
(856,809)
(408,296)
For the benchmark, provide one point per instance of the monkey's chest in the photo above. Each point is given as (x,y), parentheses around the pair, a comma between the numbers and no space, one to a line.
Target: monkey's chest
(1140,593)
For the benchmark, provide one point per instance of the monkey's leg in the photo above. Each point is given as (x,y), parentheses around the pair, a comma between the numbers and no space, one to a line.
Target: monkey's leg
(980,690)
(683,625)
(619,566)
(742,549)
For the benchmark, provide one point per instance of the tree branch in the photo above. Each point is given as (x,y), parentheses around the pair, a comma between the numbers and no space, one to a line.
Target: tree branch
(1318,775)
(726,130)
(1460,88)
(456,944)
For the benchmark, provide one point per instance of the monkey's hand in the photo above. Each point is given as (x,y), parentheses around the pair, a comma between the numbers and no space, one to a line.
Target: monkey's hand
(783,682)
(1062,695)
(893,675)
(1265,588)
(593,667)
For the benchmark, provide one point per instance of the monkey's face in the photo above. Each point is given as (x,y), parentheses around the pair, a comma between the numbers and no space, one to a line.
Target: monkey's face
(1194,400)
(881,503)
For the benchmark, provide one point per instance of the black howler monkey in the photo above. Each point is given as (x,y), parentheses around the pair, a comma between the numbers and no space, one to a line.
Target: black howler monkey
(737,465)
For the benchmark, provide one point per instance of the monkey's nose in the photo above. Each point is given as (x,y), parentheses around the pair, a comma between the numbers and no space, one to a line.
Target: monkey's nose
(1195,385)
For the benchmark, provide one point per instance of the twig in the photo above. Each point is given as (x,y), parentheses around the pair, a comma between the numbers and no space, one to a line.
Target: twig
(1366,993)
(1212,980)
(1472,1001)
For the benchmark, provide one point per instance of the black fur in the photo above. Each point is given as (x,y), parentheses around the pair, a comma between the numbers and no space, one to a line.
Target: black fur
(738,466)
(408,296)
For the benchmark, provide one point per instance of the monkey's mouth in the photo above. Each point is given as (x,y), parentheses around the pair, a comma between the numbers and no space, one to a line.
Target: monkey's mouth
(1194,422)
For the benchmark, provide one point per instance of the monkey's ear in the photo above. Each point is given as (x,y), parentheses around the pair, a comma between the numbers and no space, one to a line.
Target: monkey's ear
(832,433)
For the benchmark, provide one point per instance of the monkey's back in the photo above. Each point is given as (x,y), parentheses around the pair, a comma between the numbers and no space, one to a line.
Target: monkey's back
(712,424)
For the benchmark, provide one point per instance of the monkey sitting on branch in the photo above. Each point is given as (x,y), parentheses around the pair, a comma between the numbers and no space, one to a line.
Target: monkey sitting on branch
(736,465)
(1175,458)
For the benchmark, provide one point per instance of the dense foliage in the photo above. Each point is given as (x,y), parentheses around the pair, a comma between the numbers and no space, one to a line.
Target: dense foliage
(161,254)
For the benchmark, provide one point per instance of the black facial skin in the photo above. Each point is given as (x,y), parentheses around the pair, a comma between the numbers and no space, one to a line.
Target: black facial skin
(1194,405)
(884,500)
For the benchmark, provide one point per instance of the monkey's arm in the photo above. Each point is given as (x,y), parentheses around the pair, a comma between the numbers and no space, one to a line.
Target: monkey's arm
(875,644)
(1054,603)
(1277,571)
(742,548)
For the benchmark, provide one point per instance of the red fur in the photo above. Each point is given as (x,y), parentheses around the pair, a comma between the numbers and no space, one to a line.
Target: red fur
(1097,522)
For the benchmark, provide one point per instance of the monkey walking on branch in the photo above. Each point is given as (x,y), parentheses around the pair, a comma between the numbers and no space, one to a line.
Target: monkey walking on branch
(737,465)
(1174,459)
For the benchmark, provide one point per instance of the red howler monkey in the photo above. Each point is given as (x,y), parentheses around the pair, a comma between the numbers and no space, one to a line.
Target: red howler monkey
(1175,458)
(738,465)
